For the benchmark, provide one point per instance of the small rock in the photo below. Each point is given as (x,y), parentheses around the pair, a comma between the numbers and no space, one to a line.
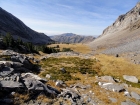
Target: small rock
(126,93)
(48,76)
(63,70)
(59,83)
(128,103)
(113,100)
(117,55)
(107,79)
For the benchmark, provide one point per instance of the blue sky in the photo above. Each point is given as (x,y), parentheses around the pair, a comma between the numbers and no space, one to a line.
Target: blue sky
(83,17)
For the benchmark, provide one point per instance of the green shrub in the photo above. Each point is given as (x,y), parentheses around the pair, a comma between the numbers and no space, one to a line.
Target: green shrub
(66,49)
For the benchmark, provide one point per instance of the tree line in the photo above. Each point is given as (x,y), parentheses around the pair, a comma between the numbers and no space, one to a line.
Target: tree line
(10,42)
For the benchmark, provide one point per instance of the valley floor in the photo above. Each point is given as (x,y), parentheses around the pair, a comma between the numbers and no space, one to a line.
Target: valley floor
(72,78)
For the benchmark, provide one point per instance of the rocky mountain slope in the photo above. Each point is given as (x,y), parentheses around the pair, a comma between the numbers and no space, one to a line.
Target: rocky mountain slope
(123,35)
(11,24)
(72,38)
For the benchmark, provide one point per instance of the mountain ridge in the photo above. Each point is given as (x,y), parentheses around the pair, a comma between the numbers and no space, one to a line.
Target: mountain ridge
(72,38)
(123,31)
(11,24)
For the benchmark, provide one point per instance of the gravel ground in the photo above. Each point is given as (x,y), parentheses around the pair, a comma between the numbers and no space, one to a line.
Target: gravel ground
(133,46)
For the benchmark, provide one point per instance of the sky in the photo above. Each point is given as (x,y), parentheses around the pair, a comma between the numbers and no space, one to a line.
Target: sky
(82,17)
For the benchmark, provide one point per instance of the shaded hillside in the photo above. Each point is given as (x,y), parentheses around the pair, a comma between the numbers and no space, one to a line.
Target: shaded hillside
(72,38)
(121,33)
(11,24)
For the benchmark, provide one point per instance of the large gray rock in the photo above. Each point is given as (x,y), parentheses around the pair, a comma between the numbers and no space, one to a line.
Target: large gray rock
(6,71)
(10,84)
(135,95)
(6,101)
(32,76)
(1,65)
(21,70)
(15,77)
(15,58)
(107,79)
(112,87)
(35,85)
(27,64)
(70,94)
(130,78)
(8,52)
(17,65)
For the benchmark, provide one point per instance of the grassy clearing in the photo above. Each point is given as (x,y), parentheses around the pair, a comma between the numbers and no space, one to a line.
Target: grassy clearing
(72,65)
(118,67)
(84,71)
(81,48)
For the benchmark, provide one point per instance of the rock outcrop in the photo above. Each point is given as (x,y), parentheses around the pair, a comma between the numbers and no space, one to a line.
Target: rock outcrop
(14,26)
(122,36)
(16,76)
(72,38)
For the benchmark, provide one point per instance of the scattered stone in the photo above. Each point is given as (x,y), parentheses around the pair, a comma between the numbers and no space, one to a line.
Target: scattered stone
(10,84)
(130,78)
(113,100)
(126,93)
(135,95)
(59,83)
(107,79)
(78,85)
(8,52)
(63,70)
(117,55)
(32,76)
(71,95)
(48,76)
(128,103)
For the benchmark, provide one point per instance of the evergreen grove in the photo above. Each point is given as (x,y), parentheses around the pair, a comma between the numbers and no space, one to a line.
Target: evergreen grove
(10,42)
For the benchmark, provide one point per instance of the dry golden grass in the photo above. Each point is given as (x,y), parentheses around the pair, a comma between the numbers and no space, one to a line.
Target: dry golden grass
(118,67)
(44,99)
(22,98)
(81,48)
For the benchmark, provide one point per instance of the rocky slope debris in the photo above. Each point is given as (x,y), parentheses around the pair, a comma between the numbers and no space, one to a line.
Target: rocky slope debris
(72,38)
(11,24)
